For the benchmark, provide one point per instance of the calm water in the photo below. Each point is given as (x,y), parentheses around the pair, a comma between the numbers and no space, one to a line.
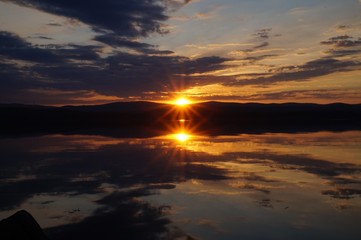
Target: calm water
(247,186)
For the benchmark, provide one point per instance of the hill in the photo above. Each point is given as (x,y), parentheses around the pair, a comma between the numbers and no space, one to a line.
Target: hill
(155,118)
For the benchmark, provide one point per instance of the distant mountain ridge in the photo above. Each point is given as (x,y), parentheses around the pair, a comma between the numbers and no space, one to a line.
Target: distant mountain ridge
(206,116)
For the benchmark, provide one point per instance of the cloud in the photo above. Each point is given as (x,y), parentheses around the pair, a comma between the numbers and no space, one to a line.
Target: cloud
(115,40)
(126,18)
(13,47)
(262,45)
(305,72)
(262,36)
(343,45)
(327,95)
(343,41)
(260,57)
(263,33)
(79,68)
(116,64)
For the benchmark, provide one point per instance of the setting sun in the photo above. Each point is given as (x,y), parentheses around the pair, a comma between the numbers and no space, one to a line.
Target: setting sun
(182,137)
(182,102)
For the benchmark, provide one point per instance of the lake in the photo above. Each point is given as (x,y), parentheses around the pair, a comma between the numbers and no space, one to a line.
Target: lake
(184,186)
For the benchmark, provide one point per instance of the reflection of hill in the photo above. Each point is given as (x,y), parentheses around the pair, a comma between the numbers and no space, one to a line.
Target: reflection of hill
(146,118)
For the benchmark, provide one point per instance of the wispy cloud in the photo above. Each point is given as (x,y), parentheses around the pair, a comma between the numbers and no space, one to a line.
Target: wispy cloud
(305,72)
(343,41)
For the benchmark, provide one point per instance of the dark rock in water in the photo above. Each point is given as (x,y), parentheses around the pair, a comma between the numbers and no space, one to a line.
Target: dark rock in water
(21,226)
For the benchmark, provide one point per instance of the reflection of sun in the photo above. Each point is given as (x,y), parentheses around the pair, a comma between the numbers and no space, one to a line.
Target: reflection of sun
(182,101)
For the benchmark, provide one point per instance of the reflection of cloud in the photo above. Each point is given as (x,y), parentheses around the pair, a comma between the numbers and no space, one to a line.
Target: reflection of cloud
(266,202)
(129,220)
(131,170)
(305,163)
(211,224)
(343,193)
(69,173)
(249,186)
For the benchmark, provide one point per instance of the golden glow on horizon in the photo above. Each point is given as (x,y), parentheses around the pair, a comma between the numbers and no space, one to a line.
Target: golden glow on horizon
(182,101)
(181,137)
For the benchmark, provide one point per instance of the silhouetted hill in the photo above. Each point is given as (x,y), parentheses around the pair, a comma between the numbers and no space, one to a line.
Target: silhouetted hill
(154,118)
(140,106)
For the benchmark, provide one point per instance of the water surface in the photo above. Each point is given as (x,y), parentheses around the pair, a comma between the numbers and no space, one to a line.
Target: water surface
(181,186)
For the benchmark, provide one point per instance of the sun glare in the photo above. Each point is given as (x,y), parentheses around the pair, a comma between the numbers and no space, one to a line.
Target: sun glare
(182,137)
(182,102)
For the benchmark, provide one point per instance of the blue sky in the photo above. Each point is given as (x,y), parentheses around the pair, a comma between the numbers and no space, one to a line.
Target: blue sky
(88,52)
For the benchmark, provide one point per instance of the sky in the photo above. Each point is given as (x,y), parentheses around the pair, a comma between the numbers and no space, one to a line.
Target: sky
(62,52)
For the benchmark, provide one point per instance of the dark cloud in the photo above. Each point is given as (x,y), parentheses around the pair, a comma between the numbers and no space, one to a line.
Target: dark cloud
(343,52)
(14,47)
(343,46)
(115,40)
(344,41)
(124,74)
(263,33)
(11,41)
(126,18)
(78,52)
(260,57)
(75,68)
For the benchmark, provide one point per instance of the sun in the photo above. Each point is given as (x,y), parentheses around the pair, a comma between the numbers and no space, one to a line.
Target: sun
(182,101)
(182,137)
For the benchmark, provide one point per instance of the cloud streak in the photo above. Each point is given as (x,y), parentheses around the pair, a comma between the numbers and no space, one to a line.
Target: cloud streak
(305,72)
